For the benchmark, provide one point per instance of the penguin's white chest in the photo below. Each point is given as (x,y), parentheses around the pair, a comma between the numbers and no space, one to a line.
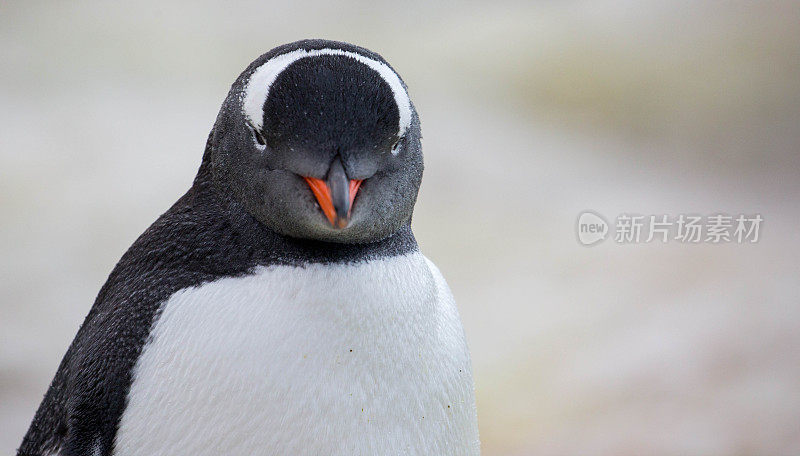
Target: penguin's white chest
(365,358)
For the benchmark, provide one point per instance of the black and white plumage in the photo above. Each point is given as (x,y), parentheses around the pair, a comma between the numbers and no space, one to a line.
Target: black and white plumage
(281,306)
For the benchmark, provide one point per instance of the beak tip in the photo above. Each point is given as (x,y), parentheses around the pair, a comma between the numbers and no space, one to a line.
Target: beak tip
(341,223)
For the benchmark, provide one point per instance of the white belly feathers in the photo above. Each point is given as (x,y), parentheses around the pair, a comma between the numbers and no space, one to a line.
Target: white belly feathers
(351,359)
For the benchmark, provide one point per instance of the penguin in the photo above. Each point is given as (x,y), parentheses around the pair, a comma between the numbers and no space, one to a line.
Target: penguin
(281,306)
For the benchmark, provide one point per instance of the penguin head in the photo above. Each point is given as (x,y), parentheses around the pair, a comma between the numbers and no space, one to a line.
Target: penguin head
(319,140)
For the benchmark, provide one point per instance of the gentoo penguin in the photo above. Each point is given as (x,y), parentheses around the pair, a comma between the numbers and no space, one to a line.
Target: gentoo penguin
(281,306)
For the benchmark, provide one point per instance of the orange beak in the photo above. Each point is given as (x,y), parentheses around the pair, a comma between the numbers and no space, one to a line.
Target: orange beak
(338,216)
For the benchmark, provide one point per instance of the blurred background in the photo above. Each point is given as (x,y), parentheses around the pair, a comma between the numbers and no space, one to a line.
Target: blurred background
(531,112)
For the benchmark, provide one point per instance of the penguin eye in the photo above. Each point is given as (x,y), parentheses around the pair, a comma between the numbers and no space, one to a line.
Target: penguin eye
(258,137)
(396,146)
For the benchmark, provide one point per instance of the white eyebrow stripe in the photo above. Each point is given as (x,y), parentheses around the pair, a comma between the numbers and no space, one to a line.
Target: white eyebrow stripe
(263,77)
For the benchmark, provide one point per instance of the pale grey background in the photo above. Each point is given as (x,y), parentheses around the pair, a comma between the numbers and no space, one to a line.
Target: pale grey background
(531,113)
